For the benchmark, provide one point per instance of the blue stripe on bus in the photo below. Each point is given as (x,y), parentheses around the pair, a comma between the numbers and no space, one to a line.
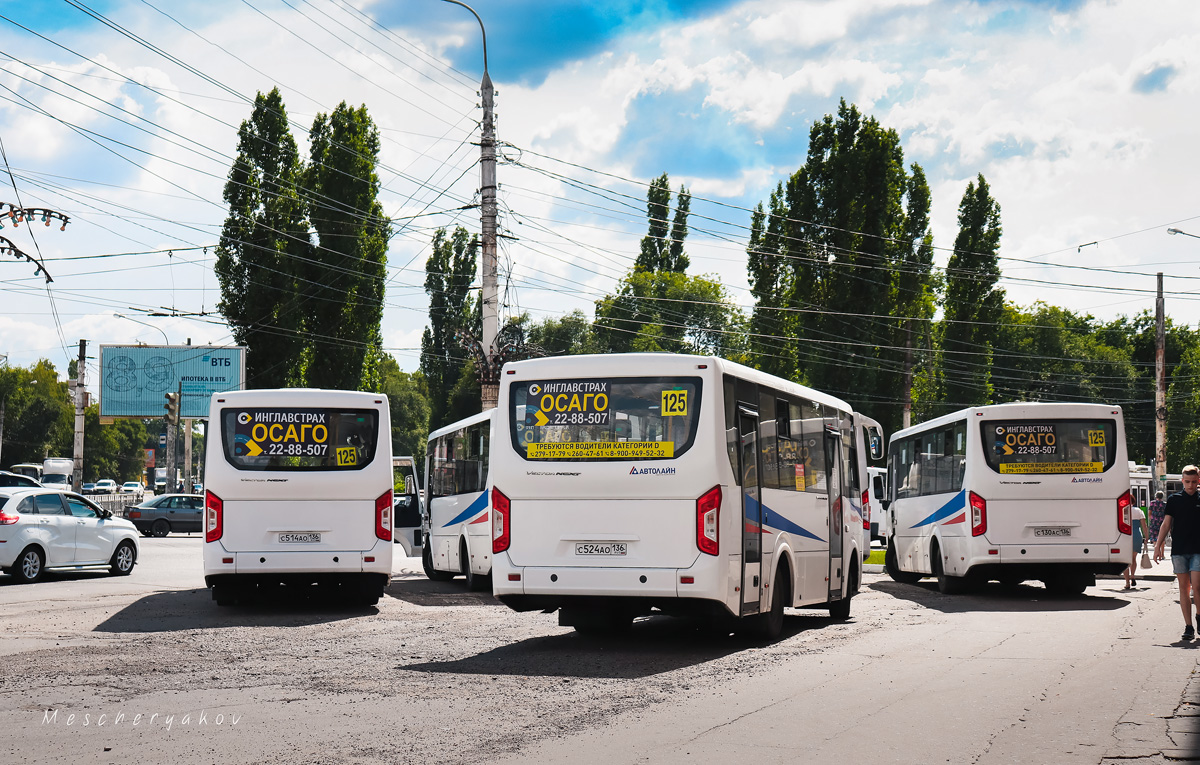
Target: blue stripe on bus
(956,503)
(773,518)
(480,503)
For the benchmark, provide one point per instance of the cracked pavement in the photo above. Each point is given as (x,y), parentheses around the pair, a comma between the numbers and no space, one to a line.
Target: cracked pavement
(436,673)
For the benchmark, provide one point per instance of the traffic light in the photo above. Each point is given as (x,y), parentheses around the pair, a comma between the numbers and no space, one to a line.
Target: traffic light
(172,407)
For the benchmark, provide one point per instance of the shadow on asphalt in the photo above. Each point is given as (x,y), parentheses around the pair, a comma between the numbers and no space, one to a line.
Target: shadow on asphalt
(178,610)
(997,597)
(424,592)
(654,645)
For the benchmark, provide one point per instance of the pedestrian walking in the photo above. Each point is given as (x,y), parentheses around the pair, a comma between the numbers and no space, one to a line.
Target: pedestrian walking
(1138,522)
(1156,515)
(1181,520)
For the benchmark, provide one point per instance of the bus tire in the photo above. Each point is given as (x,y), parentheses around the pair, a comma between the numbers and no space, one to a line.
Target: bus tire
(840,609)
(892,566)
(604,623)
(225,595)
(1066,584)
(770,625)
(948,584)
(427,564)
(475,582)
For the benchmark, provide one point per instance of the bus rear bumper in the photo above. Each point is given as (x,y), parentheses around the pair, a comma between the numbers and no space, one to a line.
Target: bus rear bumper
(536,588)
(1038,561)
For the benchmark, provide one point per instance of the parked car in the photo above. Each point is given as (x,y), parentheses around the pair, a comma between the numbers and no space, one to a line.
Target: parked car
(8,479)
(159,516)
(89,488)
(106,486)
(46,529)
(132,487)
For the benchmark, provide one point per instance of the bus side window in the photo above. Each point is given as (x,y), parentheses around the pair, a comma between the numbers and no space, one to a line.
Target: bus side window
(768,451)
(731,439)
(813,446)
(960,455)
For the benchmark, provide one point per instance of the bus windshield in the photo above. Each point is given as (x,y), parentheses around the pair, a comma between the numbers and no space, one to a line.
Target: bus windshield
(610,419)
(293,438)
(1049,446)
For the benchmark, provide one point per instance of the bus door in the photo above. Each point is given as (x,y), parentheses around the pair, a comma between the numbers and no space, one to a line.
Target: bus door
(833,481)
(751,511)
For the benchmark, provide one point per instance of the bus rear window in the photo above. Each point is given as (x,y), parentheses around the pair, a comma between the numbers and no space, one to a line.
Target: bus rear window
(1025,447)
(289,438)
(605,420)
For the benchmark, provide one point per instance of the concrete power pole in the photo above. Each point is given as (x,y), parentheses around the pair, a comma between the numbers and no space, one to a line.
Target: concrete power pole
(489,373)
(80,406)
(1160,388)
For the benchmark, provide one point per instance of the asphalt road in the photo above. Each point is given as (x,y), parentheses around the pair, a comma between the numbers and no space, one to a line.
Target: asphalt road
(147,669)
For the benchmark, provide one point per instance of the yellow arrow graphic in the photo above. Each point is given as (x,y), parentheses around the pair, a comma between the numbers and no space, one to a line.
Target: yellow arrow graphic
(540,418)
(253,449)
(1007,450)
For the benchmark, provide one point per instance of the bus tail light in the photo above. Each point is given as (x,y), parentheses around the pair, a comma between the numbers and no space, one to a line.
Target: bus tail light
(1124,519)
(866,513)
(978,514)
(500,521)
(708,517)
(214,512)
(383,516)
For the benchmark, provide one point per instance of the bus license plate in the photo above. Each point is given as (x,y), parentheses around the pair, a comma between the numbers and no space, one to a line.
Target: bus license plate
(605,548)
(1060,531)
(311,537)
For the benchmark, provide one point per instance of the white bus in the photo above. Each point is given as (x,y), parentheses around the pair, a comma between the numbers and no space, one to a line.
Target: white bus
(1010,492)
(455,520)
(627,483)
(298,491)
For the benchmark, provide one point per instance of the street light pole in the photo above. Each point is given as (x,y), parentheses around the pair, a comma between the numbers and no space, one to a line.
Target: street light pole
(489,382)
(1181,231)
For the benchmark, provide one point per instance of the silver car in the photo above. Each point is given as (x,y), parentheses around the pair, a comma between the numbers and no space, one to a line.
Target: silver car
(44,529)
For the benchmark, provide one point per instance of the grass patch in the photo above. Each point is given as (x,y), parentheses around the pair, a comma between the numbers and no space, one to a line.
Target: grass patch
(876,557)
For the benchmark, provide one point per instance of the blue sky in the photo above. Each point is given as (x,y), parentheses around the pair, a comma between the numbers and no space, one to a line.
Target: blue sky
(1080,113)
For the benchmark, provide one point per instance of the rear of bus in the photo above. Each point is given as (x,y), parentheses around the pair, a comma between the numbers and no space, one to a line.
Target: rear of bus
(298,492)
(1050,497)
(607,474)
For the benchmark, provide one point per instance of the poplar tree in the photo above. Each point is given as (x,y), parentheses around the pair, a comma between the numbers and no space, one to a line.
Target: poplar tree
(973,304)
(345,271)
(449,273)
(262,240)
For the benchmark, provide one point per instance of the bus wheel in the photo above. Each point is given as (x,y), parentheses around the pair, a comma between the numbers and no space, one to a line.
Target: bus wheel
(475,582)
(840,609)
(225,595)
(427,564)
(893,567)
(948,583)
(770,624)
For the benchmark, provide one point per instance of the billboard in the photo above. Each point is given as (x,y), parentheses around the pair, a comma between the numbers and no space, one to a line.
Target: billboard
(134,379)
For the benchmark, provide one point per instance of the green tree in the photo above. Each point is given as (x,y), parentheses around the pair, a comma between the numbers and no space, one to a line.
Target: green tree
(830,254)
(669,311)
(567,335)
(662,250)
(408,402)
(449,272)
(39,415)
(973,304)
(261,241)
(344,275)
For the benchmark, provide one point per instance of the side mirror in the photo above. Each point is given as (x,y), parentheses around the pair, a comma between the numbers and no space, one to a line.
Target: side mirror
(876,445)
(886,503)
(409,487)
(106,514)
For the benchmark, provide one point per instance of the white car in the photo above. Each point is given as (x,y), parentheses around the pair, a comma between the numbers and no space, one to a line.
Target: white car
(46,529)
(106,486)
(131,487)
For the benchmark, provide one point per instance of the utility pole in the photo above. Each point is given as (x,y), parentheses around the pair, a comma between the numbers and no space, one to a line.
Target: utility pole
(3,403)
(488,374)
(1160,389)
(80,406)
